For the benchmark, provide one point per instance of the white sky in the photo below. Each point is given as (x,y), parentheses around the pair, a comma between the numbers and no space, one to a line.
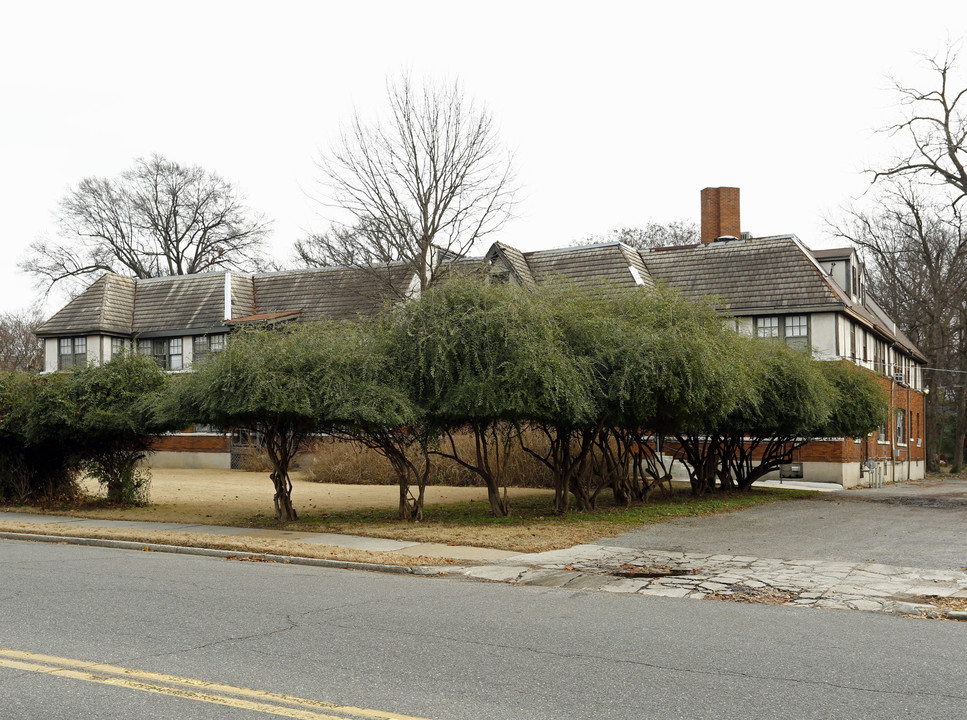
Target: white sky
(617,112)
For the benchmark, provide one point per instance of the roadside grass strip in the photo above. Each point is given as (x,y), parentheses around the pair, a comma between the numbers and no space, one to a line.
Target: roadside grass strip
(261,701)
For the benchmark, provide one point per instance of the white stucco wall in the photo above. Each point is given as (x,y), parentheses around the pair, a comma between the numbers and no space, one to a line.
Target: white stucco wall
(823,328)
(50,355)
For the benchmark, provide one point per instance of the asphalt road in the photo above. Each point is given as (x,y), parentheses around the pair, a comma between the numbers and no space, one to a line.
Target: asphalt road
(440,647)
(921,525)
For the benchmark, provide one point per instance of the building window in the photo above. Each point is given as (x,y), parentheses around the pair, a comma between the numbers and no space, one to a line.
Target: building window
(166,352)
(767,327)
(204,345)
(119,346)
(901,426)
(71,353)
(882,433)
(797,331)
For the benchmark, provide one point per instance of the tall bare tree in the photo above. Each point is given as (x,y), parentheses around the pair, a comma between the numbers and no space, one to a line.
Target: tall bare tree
(20,349)
(425,183)
(652,235)
(915,247)
(934,130)
(158,218)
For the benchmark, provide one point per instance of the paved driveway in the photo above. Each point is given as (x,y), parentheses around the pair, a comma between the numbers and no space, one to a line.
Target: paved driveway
(918,524)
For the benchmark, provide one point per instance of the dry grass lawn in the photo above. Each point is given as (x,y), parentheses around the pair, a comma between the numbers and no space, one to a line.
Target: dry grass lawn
(231,497)
(454,516)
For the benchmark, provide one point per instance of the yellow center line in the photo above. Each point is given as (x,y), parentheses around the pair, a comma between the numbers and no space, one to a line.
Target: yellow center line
(190,688)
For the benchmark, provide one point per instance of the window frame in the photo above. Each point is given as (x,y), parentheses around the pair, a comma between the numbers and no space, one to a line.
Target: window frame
(167,352)
(794,330)
(77,357)
(204,346)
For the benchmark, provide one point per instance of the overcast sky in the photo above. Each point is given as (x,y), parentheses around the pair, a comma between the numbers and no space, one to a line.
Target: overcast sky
(617,113)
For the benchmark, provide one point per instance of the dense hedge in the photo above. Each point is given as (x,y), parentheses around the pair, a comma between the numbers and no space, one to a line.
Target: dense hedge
(99,419)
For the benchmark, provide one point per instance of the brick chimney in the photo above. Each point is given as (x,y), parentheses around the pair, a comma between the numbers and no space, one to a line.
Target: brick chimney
(720,213)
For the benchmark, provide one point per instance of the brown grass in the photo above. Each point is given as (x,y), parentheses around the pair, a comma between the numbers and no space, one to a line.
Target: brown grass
(238,543)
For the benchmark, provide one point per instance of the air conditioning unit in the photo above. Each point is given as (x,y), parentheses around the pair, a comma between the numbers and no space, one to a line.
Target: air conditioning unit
(898,377)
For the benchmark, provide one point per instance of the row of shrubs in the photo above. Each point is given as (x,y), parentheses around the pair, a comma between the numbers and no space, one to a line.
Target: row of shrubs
(598,387)
(594,387)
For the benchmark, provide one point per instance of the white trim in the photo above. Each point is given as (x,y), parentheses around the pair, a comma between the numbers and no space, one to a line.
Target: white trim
(228,296)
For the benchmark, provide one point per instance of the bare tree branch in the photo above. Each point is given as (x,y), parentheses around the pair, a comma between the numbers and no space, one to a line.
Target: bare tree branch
(158,218)
(20,349)
(936,129)
(652,235)
(430,179)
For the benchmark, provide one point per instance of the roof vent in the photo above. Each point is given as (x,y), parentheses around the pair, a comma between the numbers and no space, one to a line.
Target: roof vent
(725,238)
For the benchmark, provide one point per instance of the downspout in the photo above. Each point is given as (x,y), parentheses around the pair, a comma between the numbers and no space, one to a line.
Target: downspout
(892,421)
(909,443)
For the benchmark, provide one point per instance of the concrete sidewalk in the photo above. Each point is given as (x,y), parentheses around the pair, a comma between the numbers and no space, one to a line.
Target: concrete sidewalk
(352,542)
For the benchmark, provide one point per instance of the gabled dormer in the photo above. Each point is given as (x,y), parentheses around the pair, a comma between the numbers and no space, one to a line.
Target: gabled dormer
(844,267)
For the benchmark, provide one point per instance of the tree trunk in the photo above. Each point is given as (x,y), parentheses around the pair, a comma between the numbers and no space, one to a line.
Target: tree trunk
(957,463)
(283,496)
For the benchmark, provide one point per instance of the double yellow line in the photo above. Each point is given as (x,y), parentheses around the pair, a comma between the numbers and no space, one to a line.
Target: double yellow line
(190,689)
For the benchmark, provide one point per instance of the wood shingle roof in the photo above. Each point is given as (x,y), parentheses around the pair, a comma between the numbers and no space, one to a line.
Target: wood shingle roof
(589,265)
(107,306)
(749,276)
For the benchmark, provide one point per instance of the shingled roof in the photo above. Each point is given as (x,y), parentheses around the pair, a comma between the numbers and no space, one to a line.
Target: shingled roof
(182,302)
(338,293)
(765,275)
(614,264)
(107,306)
(195,304)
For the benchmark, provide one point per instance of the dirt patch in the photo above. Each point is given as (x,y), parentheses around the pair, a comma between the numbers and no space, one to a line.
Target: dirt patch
(758,596)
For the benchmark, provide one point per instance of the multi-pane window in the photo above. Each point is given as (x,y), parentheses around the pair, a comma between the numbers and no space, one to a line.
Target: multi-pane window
(119,346)
(166,352)
(794,329)
(797,331)
(901,426)
(767,327)
(882,433)
(204,345)
(71,352)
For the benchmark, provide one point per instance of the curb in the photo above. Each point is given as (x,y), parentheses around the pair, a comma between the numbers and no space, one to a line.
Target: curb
(211,552)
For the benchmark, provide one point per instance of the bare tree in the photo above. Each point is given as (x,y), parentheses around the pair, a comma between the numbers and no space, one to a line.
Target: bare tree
(425,184)
(652,235)
(20,349)
(915,248)
(935,129)
(158,218)
(361,245)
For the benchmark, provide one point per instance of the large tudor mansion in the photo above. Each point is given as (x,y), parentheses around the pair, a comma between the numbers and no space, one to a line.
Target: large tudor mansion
(773,286)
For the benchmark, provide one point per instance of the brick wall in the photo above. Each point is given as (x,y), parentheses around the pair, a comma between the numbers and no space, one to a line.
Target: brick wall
(191,442)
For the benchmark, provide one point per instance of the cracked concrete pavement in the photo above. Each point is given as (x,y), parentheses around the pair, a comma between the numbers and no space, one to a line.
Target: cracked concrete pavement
(900,549)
